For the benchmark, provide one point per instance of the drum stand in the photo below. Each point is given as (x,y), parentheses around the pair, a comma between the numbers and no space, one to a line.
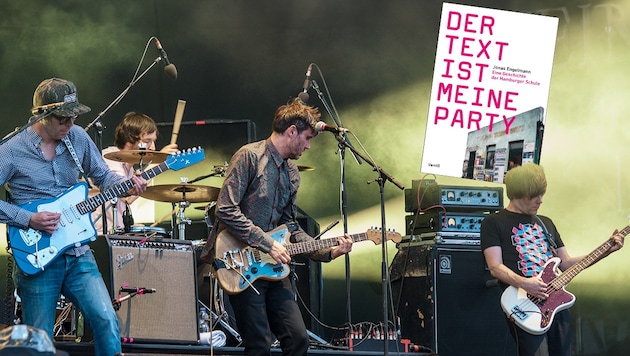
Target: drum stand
(219,318)
(182,219)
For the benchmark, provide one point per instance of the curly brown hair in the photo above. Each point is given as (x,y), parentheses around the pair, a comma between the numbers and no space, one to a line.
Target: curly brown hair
(295,112)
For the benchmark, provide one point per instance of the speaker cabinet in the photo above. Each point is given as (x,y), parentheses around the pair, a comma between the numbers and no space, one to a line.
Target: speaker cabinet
(168,266)
(452,302)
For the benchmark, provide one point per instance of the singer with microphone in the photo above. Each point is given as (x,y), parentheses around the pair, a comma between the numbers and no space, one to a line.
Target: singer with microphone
(41,166)
(258,195)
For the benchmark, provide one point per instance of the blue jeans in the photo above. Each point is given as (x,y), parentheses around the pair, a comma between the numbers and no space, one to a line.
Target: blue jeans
(80,281)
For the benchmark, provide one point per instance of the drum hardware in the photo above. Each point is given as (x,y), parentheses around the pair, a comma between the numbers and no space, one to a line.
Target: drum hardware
(148,231)
(183,220)
(217,171)
(219,315)
(181,195)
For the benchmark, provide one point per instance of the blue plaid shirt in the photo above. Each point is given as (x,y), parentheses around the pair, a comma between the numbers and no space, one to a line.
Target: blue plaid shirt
(28,176)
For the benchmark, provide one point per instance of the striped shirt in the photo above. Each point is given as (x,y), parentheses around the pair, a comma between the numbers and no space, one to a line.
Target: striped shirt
(28,176)
(259,194)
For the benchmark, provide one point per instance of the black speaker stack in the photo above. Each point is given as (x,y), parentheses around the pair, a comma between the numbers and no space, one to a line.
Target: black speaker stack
(443,293)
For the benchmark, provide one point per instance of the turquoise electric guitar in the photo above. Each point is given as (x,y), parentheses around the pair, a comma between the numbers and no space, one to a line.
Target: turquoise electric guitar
(239,265)
(33,249)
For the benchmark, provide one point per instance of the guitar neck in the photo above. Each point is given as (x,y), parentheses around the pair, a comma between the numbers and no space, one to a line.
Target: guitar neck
(588,260)
(316,245)
(117,190)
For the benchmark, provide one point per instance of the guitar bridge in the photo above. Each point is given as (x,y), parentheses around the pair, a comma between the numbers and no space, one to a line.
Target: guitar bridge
(30,236)
(233,259)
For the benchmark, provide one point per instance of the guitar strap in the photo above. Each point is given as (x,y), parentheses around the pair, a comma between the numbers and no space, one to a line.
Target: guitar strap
(73,153)
(552,243)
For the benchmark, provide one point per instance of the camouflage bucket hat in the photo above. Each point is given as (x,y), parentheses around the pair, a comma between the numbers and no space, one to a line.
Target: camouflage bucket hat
(58,91)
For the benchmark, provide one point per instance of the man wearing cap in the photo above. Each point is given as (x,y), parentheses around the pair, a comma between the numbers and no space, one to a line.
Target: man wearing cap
(41,163)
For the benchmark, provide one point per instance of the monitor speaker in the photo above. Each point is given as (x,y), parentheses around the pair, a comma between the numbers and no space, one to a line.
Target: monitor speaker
(167,266)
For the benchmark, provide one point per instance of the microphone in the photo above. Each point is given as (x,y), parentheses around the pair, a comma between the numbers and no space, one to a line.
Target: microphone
(170,69)
(303,95)
(47,107)
(321,126)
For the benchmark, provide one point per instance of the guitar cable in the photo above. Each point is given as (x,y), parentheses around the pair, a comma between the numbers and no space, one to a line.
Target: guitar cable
(9,300)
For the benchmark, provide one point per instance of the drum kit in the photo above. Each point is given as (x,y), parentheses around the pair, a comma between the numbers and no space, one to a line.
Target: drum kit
(179,195)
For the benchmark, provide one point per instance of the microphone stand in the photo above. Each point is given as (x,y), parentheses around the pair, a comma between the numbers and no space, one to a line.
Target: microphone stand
(344,201)
(31,121)
(381,179)
(99,125)
(383,176)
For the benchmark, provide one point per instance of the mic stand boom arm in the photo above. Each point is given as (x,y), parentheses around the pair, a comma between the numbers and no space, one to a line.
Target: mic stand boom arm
(121,96)
(31,121)
(99,126)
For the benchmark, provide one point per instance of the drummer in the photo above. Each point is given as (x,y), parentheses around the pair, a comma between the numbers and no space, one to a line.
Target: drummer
(136,131)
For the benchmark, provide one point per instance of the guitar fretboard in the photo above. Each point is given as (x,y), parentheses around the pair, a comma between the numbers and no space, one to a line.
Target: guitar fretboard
(565,277)
(306,247)
(117,190)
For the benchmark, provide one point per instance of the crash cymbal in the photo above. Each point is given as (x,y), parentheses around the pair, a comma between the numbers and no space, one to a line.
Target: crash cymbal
(134,156)
(174,193)
(305,168)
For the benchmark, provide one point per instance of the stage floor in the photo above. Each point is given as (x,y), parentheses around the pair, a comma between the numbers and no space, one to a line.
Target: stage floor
(86,349)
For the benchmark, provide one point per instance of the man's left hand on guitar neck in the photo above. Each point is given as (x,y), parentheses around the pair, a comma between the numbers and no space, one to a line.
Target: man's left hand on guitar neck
(345,246)
(617,238)
(280,254)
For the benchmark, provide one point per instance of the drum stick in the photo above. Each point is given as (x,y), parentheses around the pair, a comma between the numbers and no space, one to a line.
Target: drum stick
(179,113)
(164,217)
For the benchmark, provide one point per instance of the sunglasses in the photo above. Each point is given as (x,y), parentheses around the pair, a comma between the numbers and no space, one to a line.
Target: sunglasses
(64,119)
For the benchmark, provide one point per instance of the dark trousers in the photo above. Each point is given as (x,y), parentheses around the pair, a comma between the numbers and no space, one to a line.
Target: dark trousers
(272,312)
(555,342)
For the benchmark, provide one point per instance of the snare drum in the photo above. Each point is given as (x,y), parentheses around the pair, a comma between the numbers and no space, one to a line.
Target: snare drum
(148,231)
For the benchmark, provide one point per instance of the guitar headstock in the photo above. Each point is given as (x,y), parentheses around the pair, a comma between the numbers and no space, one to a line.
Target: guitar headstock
(185,158)
(376,235)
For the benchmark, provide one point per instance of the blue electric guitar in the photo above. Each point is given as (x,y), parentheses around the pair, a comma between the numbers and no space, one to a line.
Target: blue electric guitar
(239,265)
(33,249)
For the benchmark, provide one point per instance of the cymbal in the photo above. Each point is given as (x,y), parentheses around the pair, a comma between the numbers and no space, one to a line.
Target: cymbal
(134,156)
(305,168)
(173,193)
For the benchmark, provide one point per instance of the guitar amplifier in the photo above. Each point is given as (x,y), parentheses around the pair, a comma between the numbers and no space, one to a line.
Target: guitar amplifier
(446,238)
(451,221)
(453,197)
(167,315)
